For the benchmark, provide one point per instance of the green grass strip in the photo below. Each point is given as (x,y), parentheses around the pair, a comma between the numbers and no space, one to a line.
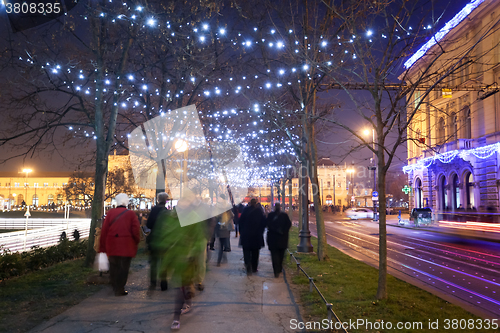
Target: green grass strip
(28,300)
(351,285)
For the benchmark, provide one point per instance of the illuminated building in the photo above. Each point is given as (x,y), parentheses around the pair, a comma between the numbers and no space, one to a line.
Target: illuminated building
(453,146)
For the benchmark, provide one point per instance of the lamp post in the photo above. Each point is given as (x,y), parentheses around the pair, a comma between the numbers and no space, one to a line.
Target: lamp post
(374,168)
(26,171)
(182,147)
(351,171)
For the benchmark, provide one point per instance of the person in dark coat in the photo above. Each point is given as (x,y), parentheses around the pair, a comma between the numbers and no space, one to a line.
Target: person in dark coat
(120,236)
(278,225)
(252,225)
(154,253)
(237,210)
(223,229)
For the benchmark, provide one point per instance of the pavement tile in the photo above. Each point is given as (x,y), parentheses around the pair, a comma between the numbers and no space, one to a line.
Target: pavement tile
(231,302)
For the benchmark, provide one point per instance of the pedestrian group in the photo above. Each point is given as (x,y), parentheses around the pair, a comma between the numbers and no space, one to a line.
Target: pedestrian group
(178,254)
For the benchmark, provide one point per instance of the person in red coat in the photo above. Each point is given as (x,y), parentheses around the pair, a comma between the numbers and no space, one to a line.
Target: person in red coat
(120,236)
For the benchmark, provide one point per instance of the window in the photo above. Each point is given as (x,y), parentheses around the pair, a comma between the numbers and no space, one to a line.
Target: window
(26,184)
(468,123)
(55,185)
(469,188)
(419,202)
(454,122)
(35,199)
(440,131)
(443,194)
(59,199)
(417,99)
(328,184)
(16,184)
(45,184)
(35,184)
(64,184)
(456,192)
(50,199)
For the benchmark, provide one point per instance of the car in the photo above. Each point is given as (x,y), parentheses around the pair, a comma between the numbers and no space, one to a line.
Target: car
(359,213)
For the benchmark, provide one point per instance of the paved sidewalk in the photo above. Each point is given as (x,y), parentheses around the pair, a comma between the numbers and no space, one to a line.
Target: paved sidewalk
(231,302)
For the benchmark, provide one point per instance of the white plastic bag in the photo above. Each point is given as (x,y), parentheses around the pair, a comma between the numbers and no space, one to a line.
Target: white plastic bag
(101,262)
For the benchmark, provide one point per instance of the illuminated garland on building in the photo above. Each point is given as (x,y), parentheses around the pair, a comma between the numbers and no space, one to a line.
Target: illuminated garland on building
(443,32)
(448,157)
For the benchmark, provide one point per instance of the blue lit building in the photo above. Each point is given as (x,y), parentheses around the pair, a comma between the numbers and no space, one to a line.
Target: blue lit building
(454,137)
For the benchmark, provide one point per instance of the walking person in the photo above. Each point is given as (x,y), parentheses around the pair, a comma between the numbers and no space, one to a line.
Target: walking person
(155,254)
(278,225)
(237,210)
(252,224)
(120,236)
(181,248)
(223,229)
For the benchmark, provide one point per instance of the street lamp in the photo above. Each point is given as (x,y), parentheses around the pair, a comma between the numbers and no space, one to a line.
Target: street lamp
(26,171)
(182,147)
(351,171)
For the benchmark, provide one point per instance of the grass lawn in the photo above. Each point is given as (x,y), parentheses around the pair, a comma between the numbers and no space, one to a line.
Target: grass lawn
(30,299)
(351,285)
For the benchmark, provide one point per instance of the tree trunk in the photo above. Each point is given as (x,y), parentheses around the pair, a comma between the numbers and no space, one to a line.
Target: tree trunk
(320,222)
(290,206)
(382,266)
(283,194)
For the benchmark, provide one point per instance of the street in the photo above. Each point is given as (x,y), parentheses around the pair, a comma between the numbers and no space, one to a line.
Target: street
(460,270)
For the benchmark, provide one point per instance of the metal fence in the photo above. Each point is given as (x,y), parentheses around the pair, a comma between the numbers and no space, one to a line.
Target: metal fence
(33,223)
(41,236)
(313,285)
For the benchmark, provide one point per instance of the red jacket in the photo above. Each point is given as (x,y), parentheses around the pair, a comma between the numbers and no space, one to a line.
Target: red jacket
(122,237)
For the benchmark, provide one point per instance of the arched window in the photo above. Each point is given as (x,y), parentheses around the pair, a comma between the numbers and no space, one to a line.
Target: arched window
(419,202)
(59,199)
(328,200)
(35,200)
(440,131)
(443,193)
(50,199)
(456,192)
(469,191)
(20,199)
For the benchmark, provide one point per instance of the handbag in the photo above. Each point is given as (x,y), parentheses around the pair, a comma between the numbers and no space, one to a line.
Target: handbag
(101,262)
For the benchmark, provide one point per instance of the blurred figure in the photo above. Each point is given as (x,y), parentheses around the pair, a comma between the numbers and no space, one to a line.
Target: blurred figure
(120,236)
(252,224)
(278,225)
(155,254)
(208,228)
(237,210)
(223,228)
(181,248)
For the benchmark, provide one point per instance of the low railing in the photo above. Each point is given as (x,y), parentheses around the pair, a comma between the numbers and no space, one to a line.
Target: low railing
(312,285)
(35,223)
(42,237)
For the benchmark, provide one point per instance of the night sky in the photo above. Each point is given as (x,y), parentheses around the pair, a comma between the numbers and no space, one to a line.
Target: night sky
(65,159)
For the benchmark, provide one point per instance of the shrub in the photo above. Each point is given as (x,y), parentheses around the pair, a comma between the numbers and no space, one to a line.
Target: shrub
(16,264)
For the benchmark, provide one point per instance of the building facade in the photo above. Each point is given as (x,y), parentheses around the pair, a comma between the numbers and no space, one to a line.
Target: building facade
(46,188)
(453,146)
